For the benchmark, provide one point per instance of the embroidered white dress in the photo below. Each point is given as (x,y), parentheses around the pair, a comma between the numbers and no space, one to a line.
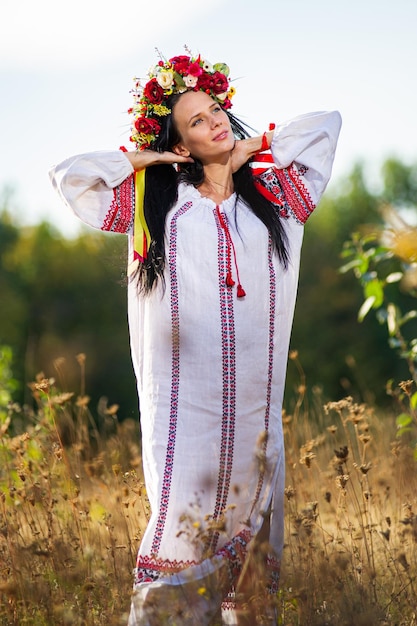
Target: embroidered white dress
(210,366)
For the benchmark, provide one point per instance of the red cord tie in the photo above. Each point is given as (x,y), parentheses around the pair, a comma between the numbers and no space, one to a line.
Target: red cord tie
(240,292)
(264,144)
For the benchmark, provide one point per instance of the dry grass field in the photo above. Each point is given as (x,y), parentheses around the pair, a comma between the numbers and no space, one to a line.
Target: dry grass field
(73,507)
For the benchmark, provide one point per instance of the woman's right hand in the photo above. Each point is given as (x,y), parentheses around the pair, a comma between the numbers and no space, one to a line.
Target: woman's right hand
(247,148)
(140,159)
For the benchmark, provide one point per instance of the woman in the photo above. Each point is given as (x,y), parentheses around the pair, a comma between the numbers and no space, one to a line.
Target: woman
(215,231)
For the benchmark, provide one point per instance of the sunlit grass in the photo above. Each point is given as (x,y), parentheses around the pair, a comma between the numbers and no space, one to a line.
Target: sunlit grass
(73,508)
(351,523)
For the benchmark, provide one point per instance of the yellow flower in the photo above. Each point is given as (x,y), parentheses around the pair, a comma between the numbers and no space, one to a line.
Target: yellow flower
(160,109)
(142,138)
(404,244)
(231,92)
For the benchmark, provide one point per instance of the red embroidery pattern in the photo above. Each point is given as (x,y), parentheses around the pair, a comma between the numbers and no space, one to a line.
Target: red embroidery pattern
(272,304)
(274,569)
(230,603)
(289,191)
(229,383)
(119,217)
(175,382)
(235,552)
(149,568)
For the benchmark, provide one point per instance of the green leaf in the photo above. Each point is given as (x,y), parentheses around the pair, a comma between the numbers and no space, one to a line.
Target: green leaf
(365,308)
(375,288)
(347,251)
(369,238)
(34,453)
(363,265)
(402,431)
(403,420)
(413,400)
(179,81)
(381,254)
(222,67)
(350,266)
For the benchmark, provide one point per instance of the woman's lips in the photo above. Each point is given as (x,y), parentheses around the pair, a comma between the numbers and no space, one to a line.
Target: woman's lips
(221,136)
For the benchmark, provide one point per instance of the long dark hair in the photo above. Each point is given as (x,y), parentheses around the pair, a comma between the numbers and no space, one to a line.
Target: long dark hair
(161,193)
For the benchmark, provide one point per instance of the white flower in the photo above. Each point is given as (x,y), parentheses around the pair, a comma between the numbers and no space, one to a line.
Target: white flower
(153,71)
(190,81)
(165,78)
(207,67)
(221,96)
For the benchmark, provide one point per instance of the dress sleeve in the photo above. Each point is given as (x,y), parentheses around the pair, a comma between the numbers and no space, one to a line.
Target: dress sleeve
(303,151)
(99,188)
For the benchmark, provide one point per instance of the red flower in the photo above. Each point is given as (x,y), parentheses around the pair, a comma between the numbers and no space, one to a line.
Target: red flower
(147,125)
(180,64)
(194,69)
(153,92)
(220,83)
(227,104)
(206,81)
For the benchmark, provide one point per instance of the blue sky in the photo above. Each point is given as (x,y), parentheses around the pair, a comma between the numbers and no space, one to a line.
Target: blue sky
(66,70)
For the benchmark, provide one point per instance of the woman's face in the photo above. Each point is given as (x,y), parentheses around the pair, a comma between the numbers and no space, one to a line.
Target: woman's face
(203,126)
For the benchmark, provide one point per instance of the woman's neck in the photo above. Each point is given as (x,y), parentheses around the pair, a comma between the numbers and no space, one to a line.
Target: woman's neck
(218,182)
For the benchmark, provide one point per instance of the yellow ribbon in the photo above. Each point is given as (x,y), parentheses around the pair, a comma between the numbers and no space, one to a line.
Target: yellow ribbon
(141,234)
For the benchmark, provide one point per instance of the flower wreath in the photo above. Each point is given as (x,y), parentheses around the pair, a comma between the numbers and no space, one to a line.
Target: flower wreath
(177,75)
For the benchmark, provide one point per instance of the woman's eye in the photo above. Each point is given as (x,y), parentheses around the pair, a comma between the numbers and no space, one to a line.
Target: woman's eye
(197,121)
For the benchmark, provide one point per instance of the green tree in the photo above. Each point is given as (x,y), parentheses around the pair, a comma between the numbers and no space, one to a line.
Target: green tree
(63,297)
(336,352)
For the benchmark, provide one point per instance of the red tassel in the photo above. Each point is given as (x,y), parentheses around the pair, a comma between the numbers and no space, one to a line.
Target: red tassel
(241,293)
(229,280)
(230,249)
(271,126)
